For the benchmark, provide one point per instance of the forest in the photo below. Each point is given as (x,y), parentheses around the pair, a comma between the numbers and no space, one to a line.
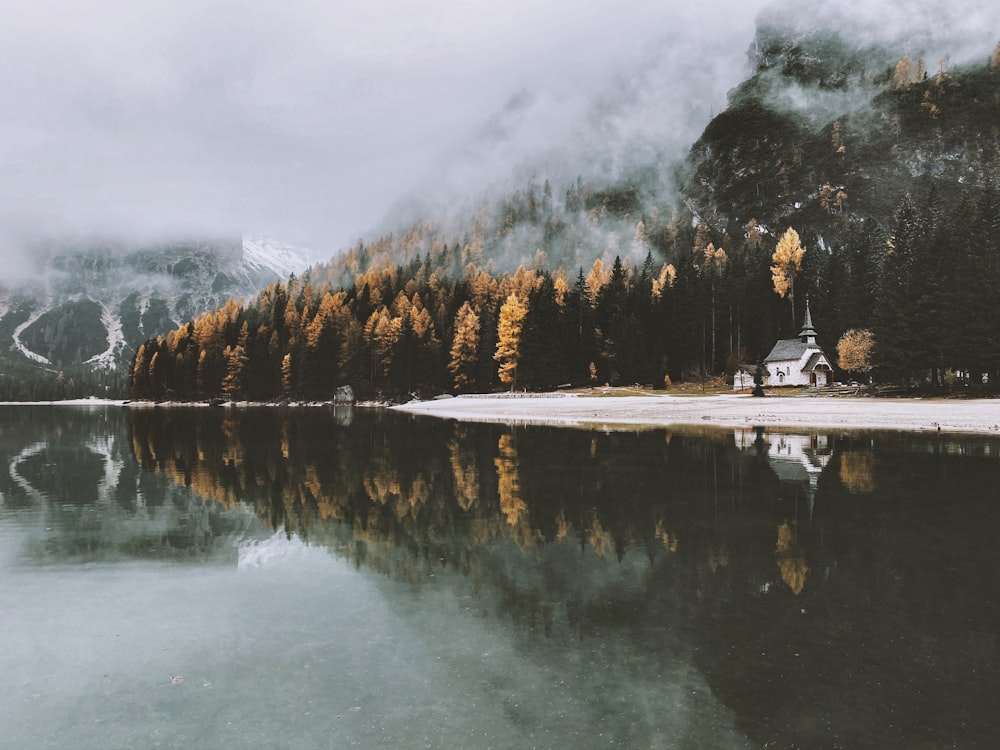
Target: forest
(885,217)
(444,323)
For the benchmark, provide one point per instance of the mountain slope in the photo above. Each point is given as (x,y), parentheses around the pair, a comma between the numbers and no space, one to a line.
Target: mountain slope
(87,308)
(827,134)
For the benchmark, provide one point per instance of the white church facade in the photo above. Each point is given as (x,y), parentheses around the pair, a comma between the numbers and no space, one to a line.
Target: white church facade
(798,361)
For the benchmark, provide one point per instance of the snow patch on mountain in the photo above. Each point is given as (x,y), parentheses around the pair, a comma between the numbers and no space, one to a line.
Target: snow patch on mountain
(141,291)
(33,356)
(270,255)
(116,340)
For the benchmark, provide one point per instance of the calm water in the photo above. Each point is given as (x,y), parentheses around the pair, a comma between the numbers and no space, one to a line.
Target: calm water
(316,579)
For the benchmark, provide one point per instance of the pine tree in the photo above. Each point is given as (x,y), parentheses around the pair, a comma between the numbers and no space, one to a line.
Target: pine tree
(543,360)
(615,325)
(894,336)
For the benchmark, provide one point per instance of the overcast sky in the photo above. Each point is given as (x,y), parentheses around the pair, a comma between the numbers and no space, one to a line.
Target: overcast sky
(304,119)
(308,119)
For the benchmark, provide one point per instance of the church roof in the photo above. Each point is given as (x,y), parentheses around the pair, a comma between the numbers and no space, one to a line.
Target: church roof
(813,361)
(789,349)
(807,325)
(796,348)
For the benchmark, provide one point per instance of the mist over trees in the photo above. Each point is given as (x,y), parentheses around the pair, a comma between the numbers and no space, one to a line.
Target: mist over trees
(885,217)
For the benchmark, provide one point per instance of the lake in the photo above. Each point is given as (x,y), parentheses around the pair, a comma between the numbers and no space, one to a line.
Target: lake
(321,578)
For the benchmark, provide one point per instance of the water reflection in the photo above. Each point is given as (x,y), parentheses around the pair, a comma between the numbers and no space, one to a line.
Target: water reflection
(682,588)
(827,574)
(76,494)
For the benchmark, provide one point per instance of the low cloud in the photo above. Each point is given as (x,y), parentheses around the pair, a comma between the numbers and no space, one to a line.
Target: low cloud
(306,121)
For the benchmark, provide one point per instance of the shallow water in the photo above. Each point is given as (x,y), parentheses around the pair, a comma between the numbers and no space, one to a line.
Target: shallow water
(316,578)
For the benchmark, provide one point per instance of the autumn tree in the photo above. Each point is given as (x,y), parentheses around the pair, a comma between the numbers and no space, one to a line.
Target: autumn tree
(508,352)
(287,376)
(854,350)
(787,262)
(464,348)
(140,373)
(596,279)
(902,74)
(236,361)
(381,334)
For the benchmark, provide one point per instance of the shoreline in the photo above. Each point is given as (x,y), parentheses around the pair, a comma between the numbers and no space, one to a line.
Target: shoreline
(975,416)
(615,412)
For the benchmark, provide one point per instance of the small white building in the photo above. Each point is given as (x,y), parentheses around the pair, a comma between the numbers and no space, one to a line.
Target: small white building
(743,379)
(798,361)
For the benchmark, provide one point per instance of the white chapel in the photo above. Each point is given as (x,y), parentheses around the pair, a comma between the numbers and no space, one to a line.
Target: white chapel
(798,361)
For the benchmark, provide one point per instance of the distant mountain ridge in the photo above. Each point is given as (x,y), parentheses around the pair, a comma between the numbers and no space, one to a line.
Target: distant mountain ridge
(86,309)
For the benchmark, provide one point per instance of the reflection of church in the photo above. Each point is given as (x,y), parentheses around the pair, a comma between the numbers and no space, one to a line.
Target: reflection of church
(796,459)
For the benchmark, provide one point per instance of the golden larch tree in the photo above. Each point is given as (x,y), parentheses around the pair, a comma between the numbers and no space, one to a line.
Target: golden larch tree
(597,278)
(902,73)
(854,350)
(464,347)
(287,376)
(787,261)
(508,352)
(668,274)
(236,362)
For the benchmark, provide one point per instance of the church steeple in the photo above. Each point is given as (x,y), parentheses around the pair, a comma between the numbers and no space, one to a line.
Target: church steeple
(807,334)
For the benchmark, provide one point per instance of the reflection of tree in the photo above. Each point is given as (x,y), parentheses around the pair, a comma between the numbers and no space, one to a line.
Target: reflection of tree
(897,582)
(856,471)
(509,486)
(718,558)
(600,539)
(464,469)
(791,559)
(661,533)
(562,526)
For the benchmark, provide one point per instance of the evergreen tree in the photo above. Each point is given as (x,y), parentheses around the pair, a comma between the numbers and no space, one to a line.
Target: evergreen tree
(895,338)
(543,359)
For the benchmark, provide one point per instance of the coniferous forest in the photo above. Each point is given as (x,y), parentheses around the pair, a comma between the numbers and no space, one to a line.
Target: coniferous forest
(650,280)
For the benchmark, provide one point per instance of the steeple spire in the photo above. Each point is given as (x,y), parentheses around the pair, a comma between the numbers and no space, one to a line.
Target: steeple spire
(807,334)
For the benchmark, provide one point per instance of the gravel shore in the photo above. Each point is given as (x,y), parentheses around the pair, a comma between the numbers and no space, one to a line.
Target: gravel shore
(737,410)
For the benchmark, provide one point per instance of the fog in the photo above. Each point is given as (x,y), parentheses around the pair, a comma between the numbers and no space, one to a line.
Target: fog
(308,121)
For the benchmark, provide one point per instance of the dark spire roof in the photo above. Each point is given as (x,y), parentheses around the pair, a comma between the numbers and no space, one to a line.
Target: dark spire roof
(808,333)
